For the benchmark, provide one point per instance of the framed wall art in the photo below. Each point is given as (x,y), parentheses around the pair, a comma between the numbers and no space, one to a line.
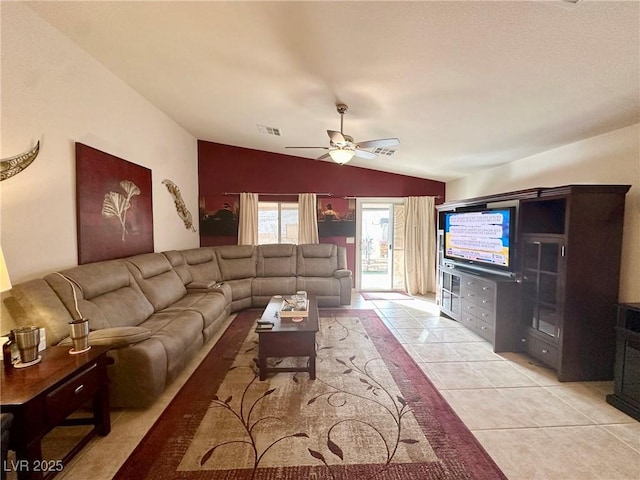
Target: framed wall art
(336,217)
(114,206)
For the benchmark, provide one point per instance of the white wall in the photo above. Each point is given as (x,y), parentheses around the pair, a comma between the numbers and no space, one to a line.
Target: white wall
(612,158)
(55,92)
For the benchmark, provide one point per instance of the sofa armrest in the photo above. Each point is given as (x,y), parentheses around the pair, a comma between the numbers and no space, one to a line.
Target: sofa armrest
(342,273)
(212,286)
(203,285)
(114,337)
(344,279)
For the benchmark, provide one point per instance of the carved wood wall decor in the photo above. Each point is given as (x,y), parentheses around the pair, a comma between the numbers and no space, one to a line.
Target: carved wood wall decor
(181,208)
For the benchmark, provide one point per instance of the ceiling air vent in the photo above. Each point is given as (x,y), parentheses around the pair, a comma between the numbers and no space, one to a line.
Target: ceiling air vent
(269,130)
(384,151)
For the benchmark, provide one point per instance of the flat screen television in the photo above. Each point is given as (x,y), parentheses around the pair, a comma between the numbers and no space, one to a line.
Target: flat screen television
(483,238)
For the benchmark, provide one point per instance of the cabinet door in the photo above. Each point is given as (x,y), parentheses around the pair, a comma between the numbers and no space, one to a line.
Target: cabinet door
(450,292)
(542,284)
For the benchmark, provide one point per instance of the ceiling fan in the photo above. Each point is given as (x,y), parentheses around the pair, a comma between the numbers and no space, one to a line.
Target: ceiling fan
(342,148)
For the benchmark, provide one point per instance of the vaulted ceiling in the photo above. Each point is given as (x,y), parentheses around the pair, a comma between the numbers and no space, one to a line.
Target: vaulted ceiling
(464,85)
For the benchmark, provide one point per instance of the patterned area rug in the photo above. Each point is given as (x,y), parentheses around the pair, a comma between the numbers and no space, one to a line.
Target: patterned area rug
(386,296)
(371,413)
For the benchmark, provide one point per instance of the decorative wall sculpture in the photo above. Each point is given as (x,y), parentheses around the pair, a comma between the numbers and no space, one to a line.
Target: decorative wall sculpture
(114,206)
(14,165)
(181,208)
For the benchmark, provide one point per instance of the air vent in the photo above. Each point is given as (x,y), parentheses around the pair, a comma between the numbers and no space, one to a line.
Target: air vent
(384,151)
(269,130)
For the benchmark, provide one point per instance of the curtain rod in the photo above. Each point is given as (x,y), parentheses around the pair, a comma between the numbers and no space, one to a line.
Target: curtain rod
(438,197)
(318,194)
(280,194)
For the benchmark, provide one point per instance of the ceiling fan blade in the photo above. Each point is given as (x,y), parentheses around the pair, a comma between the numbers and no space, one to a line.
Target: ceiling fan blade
(379,143)
(323,148)
(364,154)
(336,137)
(322,157)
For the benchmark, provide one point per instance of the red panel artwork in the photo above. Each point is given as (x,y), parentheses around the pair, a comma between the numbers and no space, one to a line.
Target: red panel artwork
(114,206)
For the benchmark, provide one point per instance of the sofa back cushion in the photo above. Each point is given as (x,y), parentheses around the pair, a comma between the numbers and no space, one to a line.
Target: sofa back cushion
(276,260)
(35,303)
(179,264)
(158,281)
(202,263)
(106,292)
(317,260)
(236,261)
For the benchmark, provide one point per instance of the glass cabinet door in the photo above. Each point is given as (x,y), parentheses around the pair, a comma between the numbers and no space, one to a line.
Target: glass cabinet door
(450,292)
(541,285)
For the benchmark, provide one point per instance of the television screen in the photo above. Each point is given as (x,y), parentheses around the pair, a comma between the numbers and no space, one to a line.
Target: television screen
(483,237)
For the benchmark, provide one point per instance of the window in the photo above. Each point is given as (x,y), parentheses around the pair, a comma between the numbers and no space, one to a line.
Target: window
(277,222)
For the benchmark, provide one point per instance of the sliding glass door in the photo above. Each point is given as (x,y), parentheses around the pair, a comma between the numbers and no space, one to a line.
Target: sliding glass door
(380,245)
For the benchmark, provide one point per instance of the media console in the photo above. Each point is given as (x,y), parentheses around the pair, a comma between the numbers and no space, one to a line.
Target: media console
(486,304)
(557,298)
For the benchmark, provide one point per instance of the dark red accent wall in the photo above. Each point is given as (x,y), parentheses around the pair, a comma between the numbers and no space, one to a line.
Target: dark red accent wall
(225,168)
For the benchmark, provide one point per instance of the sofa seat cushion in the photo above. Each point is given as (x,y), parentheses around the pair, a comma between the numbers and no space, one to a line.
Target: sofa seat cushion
(209,305)
(177,331)
(157,279)
(114,337)
(319,286)
(138,374)
(221,288)
(267,287)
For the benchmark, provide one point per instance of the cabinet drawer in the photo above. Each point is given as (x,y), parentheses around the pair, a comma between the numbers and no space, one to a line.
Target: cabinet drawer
(479,312)
(543,351)
(480,298)
(485,330)
(479,285)
(69,396)
(468,321)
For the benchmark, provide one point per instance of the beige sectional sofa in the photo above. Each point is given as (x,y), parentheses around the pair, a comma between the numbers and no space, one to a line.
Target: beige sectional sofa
(157,310)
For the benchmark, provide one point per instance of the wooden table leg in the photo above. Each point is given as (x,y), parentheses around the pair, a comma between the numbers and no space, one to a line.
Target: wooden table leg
(262,367)
(311,342)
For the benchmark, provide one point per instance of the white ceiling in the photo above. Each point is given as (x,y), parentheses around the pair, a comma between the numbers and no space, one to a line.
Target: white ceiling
(464,85)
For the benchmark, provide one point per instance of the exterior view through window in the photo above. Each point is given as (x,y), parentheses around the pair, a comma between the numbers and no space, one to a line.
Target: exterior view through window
(277,222)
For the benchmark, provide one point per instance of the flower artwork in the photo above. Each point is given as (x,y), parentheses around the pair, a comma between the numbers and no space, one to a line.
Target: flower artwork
(116,205)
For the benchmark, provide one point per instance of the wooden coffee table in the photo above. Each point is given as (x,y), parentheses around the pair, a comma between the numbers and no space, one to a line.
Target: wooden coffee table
(288,338)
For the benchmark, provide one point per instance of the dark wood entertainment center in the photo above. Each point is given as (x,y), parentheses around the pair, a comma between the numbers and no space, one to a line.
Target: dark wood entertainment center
(559,301)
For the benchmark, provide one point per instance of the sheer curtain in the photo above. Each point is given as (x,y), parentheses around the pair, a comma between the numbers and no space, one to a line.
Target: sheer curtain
(248,219)
(420,245)
(307,218)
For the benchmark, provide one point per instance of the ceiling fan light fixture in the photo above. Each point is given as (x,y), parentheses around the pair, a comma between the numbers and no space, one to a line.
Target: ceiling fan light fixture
(341,155)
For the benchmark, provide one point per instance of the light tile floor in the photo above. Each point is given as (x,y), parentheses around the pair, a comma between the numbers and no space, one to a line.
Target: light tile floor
(533,426)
